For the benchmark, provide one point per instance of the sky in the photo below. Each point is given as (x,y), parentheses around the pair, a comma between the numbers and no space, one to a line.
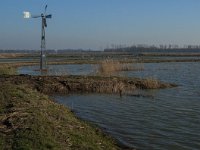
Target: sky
(98,24)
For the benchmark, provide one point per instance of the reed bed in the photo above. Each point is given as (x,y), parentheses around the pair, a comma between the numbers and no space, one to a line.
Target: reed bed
(151,83)
(84,84)
(111,67)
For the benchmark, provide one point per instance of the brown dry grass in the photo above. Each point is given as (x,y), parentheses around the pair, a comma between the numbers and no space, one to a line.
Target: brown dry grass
(12,55)
(110,67)
(151,83)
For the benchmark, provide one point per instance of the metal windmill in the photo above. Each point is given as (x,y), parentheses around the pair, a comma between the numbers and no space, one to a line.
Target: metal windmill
(43,16)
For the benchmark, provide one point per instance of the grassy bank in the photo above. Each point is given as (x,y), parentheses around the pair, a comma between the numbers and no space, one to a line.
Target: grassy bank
(29,120)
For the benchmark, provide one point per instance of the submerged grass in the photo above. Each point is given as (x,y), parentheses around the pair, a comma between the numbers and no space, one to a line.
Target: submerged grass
(29,120)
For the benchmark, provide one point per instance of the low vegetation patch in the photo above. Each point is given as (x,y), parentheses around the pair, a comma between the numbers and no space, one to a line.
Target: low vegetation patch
(151,83)
(84,84)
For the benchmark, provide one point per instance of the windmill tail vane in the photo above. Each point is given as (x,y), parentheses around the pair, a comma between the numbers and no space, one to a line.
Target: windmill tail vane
(27,14)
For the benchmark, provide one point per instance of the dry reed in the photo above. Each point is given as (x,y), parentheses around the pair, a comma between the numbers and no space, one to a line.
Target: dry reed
(110,67)
(151,83)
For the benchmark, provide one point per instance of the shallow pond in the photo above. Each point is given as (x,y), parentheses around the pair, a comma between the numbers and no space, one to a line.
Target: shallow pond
(155,119)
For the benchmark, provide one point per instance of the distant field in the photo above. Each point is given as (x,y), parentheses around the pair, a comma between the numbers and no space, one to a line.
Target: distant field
(94,57)
(13,55)
(171,54)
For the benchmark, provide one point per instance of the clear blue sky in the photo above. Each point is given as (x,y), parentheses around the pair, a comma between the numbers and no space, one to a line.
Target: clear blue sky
(99,23)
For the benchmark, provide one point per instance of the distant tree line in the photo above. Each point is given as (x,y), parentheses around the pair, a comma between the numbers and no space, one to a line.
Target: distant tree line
(146,48)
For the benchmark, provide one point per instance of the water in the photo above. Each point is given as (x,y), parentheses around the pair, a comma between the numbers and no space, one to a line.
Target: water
(72,69)
(161,119)
(13,60)
(30,59)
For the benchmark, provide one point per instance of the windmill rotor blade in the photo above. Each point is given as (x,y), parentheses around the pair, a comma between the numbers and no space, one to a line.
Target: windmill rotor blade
(45,9)
(48,16)
(36,16)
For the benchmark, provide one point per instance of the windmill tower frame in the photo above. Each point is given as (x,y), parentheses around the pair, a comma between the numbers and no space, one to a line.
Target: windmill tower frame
(43,16)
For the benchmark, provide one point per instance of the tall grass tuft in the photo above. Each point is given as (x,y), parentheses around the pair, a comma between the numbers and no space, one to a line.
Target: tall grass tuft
(151,83)
(110,67)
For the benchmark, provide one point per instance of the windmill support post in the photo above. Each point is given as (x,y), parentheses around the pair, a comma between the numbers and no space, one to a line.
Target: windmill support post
(43,66)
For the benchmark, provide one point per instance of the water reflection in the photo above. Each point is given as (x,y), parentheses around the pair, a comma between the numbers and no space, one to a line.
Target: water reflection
(70,69)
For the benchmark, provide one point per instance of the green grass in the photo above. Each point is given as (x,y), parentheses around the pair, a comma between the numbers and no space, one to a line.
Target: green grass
(29,120)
